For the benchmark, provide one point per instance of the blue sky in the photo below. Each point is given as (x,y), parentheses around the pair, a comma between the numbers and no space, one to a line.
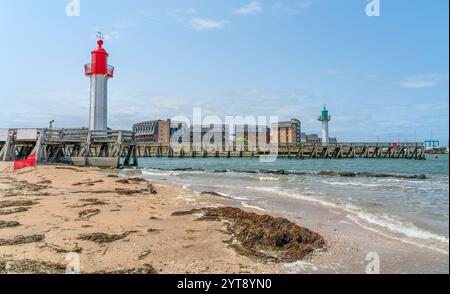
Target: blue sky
(381,77)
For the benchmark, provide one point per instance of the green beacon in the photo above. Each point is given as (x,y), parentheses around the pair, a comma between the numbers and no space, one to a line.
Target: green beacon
(325,118)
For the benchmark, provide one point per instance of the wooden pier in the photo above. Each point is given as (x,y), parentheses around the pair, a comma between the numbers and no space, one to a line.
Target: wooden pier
(406,150)
(78,147)
(82,147)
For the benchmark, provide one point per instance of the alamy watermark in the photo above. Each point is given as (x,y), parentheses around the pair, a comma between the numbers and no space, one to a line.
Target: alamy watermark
(73,263)
(73,8)
(211,134)
(373,8)
(373,266)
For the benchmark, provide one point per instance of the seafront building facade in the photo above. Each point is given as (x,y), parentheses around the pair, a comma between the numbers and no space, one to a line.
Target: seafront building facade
(152,132)
(215,137)
(288,132)
(250,137)
(221,137)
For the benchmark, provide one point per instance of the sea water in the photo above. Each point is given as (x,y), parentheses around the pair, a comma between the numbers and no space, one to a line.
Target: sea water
(388,195)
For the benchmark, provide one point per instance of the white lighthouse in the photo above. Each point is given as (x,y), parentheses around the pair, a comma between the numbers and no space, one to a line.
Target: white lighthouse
(325,118)
(99,72)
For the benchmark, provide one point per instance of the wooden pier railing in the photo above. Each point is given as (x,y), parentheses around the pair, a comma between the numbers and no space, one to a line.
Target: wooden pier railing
(407,150)
(79,147)
(114,148)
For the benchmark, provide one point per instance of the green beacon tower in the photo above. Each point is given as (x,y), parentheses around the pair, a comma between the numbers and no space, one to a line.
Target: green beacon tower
(325,118)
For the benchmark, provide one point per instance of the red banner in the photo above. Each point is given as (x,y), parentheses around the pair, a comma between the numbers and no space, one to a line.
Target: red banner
(29,162)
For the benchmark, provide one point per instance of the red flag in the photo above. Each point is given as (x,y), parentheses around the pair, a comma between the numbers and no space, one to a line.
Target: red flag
(29,162)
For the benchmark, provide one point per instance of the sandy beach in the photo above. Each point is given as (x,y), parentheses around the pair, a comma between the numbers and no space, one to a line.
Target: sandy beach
(130,225)
(50,211)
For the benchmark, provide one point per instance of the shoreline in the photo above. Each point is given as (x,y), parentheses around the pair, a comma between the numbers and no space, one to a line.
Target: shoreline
(73,201)
(350,240)
(257,187)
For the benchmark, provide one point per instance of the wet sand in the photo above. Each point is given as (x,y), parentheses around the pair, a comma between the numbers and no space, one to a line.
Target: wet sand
(70,202)
(118,224)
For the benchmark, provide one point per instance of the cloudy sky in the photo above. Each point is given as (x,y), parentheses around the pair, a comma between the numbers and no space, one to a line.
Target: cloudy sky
(382,77)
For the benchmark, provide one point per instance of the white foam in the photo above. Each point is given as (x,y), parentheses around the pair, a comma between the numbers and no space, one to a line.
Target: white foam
(393,225)
(400,227)
(244,204)
(352,184)
(268,179)
(297,196)
(159,173)
(356,221)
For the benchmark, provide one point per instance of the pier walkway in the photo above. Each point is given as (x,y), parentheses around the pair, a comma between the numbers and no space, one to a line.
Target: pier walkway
(407,150)
(79,147)
(113,148)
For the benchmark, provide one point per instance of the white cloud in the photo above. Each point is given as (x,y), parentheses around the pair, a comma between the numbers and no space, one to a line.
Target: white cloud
(151,15)
(331,72)
(252,8)
(292,8)
(200,24)
(115,35)
(124,25)
(423,81)
(370,76)
(191,17)
(182,15)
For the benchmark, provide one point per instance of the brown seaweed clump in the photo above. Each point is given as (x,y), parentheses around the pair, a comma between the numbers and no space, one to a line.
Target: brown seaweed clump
(146,269)
(91,202)
(19,240)
(88,213)
(123,181)
(5,224)
(13,210)
(30,267)
(8,203)
(129,192)
(104,238)
(263,236)
(137,180)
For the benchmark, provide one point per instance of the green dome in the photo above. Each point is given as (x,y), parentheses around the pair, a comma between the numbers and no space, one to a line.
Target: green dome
(325,116)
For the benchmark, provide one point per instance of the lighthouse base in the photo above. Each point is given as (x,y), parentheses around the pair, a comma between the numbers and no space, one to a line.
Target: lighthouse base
(98,114)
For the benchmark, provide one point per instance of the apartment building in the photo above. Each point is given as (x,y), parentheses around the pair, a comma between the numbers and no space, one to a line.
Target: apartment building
(250,137)
(215,137)
(152,132)
(289,132)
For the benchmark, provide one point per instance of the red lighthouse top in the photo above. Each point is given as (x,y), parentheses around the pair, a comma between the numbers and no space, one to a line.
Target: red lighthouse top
(99,64)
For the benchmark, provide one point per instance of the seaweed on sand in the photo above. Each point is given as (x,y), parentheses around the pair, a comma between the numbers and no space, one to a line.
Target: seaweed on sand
(88,183)
(21,240)
(13,210)
(129,192)
(8,203)
(24,188)
(263,236)
(6,224)
(88,213)
(27,266)
(104,238)
(146,269)
(91,202)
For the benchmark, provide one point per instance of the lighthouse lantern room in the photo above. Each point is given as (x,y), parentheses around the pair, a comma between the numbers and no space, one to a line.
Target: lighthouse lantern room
(99,72)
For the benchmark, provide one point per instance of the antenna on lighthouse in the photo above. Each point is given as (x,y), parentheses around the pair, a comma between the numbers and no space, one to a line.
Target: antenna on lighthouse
(100,35)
